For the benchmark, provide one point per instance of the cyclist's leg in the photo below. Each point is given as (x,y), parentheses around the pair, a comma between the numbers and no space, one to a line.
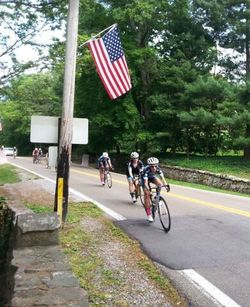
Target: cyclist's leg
(101,172)
(147,201)
(131,187)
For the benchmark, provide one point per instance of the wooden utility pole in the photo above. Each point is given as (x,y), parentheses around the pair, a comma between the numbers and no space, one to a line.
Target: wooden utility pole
(66,125)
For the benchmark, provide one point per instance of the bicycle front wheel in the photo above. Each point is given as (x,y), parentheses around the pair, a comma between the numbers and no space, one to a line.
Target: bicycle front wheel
(109,180)
(164,214)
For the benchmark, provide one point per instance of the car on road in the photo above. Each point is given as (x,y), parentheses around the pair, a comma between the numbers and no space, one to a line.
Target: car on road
(9,151)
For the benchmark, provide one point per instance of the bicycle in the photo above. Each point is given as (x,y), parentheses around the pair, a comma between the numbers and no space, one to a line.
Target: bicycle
(36,159)
(158,203)
(138,188)
(107,178)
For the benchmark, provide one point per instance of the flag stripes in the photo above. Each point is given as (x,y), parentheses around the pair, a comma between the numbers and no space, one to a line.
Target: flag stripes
(114,75)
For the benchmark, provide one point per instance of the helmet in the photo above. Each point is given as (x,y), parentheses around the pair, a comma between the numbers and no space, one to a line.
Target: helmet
(134,155)
(152,161)
(105,154)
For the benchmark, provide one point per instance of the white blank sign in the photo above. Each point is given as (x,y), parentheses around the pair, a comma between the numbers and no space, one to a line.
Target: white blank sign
(44,129)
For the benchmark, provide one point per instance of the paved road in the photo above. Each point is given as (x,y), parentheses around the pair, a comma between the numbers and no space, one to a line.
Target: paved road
(209,242)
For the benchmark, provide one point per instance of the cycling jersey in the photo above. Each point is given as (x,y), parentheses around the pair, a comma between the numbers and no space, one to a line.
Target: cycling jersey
(148,174)
(132,170)
(103,162)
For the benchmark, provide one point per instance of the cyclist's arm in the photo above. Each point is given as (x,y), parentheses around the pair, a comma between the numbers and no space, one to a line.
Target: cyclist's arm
(162,178)
(146,183)
(110,163)
(130,171)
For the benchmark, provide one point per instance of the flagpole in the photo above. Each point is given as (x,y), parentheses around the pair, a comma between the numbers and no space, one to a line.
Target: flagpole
(89,40)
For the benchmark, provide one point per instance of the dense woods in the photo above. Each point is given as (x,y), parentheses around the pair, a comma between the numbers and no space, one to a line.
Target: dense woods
(189,94)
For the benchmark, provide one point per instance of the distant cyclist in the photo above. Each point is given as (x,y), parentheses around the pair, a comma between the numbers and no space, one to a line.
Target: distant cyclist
(134,168)
(151,173)
(104,162)
(35,155)
(40,152)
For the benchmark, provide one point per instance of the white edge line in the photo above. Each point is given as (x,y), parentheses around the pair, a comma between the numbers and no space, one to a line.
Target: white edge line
(110,212)
(209,289)
(200,282)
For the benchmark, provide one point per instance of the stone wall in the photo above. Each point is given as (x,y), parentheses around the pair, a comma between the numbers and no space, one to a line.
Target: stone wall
(5,230)
(37,272)
(203,177)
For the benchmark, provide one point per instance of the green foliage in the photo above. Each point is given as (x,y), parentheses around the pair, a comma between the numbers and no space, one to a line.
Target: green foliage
(20,22)
(175,103)
(39,209)
(28,95)
(8,174)
(234,165)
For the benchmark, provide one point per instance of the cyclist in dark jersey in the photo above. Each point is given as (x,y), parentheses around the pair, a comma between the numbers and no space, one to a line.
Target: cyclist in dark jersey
(151,173)
(103,163)
(134,167)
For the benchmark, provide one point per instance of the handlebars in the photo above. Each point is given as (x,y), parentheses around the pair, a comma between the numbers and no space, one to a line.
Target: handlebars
(166,186)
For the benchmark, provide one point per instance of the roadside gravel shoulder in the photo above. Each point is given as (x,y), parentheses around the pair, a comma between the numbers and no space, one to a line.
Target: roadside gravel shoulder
(109,266)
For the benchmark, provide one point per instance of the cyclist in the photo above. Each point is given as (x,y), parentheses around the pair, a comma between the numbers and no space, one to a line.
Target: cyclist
(134,167)
(103,163)
(35,154)
(151,173)
(40,152)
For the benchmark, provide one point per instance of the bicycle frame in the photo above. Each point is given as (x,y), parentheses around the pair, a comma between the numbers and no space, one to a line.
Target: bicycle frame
(107,177)
(138,188)
(158,203)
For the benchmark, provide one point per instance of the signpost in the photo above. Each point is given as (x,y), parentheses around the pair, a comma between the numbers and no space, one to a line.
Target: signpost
(44,129)
(66,122)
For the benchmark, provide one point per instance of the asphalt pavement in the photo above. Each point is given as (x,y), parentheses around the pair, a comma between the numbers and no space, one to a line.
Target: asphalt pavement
(206,253)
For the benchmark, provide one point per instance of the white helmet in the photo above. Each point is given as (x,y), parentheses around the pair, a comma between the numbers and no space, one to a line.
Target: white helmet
(152,161)
(105,154)
(134,155)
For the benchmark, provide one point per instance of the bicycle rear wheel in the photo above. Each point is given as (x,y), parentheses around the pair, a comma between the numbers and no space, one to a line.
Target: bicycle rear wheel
(164,214)
(109,180)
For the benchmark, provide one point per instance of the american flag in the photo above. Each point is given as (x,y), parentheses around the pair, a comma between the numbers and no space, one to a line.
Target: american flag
(111,64)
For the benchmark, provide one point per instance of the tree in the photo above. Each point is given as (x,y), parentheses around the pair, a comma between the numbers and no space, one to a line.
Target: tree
(229,24)
(20,21)
(28,95)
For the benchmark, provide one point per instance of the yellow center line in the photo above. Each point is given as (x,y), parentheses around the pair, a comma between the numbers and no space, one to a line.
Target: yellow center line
(212,205)
(189,199)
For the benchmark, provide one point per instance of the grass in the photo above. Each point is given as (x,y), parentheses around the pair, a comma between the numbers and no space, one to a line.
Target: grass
(8,174)
(204,187)
(38,209)
(81,246)
(231,165)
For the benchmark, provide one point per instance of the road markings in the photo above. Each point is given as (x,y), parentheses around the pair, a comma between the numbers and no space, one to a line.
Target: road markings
(209,289)
(200,282)
(110,212)
(212,205)
(189,199)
